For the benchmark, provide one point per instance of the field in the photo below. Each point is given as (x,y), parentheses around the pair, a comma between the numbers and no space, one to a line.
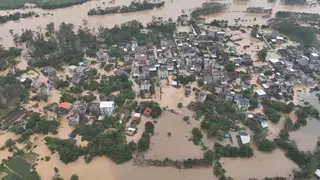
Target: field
(6,174)
(30,157)
(13,176)
(19,166)
(46,4)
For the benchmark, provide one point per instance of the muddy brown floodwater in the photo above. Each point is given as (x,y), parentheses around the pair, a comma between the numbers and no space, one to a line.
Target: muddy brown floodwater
(260,166)
(178,146)
(77,14)
(306,137)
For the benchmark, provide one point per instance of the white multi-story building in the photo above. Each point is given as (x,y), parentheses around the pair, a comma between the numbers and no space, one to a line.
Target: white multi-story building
(107,107)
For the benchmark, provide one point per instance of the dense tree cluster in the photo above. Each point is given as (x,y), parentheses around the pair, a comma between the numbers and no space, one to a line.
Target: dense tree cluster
(219,116)
(302,113)
(61,46)
(300,16)
(218,170)
(294,2)
(185,79)
(254,31)
(232,151)
(42,4)
(310,110)
(111,144)
(278,105)
(260,137)
(156,109)
(219,23)
(115,83)
(266,145)
(271,178)
(149,127)
(12,93)
(74,177)
(230,66)
(9,143)
(254,103)
(7,57)
(88,131)
(38,125)
(307,161)
(304,35)
(67,97)
(60,4)
(144,142)
(272,114)
(262,54)
(16,16)
(209,8)
(206,161)
(133,7)
(196,135)
(67,149)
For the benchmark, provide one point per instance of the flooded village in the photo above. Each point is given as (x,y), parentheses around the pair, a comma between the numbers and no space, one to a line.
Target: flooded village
(175,89)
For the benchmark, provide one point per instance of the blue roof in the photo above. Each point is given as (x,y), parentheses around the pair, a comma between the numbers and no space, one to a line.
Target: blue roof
(243,100)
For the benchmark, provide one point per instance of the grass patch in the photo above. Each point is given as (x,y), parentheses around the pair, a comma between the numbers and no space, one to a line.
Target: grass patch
(13,176)
(6,174)
(31,157)
(19,166)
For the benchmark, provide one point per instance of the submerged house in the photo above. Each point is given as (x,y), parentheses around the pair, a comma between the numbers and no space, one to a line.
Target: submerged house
(64,108)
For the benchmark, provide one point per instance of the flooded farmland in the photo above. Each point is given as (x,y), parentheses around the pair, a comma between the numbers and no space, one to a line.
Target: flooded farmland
(260,166)
(178,142)
(306,137)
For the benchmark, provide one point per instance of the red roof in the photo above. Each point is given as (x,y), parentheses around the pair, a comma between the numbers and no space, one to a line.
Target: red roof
(65,105)
(147,111)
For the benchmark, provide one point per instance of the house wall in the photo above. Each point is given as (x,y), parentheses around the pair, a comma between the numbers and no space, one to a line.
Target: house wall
(162,74)
(242,106)
(106,110)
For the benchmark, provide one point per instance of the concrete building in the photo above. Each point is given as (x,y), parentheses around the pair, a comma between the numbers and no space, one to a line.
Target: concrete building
(145,85)
(163,72)
(107,107)
(242,103)
(73,120)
